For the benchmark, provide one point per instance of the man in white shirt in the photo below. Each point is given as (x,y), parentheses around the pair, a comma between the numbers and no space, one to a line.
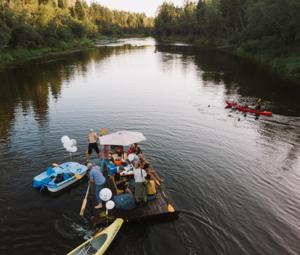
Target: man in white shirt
(140,192)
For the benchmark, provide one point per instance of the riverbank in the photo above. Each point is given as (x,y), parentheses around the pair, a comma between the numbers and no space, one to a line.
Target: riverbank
(13,56)
(23,54)
(286,66)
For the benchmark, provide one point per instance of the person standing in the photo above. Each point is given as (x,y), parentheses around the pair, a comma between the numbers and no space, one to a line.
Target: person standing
(140,192)
(92,139)
(98,180)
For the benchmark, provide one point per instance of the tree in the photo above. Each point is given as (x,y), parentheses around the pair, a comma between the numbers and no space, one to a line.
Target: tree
(79,10)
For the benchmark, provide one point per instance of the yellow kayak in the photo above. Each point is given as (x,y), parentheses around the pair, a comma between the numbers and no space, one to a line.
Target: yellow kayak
(98,244)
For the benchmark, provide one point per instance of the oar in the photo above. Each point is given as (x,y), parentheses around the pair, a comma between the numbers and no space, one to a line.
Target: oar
(170,206)
(84,202)
(77,176)
(157,182)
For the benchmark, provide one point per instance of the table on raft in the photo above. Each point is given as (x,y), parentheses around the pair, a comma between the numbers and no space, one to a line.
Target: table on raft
(160,208)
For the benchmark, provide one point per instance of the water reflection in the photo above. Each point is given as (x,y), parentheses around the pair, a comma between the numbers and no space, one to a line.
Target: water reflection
(236,181)
(28,86)
(238,76)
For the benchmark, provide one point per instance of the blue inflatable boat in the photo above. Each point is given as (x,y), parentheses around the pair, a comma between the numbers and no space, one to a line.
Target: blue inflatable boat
(59,177)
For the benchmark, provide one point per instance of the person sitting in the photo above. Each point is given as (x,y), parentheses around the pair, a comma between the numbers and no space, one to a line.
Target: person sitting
(151,188)
(140,185)
(117,161)
(258,104)
(122,183)
(150,171)
(119,150)
(138,150)
(131,149)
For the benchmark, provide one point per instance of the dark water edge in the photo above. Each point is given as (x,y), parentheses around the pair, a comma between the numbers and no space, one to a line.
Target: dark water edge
(277,65)
(235,179)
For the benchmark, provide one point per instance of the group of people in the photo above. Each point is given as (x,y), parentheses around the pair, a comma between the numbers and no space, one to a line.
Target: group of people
(145,179)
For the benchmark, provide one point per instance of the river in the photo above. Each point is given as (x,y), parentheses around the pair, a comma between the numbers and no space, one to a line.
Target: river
(235,179)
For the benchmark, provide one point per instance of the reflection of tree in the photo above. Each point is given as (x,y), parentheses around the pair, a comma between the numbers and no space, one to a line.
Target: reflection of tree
(28,85)
(240,76)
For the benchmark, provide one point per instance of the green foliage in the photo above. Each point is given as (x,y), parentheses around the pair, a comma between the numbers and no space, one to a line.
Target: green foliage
(79,10)
(5,36)
(255,24)
(48,23)
(264,31)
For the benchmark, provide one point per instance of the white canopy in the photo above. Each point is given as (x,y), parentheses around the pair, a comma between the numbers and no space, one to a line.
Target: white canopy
(123,138)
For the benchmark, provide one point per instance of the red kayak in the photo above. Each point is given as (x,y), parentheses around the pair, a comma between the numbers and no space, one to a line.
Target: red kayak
(246,109)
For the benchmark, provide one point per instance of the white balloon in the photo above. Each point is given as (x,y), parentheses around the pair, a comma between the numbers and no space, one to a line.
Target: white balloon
(73,149)
(131,157)
(74,142)
(65,139)
(69,149)
(110,205)
(105,194)
(67,144)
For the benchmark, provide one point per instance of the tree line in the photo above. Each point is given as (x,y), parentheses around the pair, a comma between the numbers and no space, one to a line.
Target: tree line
(254,25)
(44,23)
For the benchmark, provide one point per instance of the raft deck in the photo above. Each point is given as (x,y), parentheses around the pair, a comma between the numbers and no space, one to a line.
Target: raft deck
(157,209)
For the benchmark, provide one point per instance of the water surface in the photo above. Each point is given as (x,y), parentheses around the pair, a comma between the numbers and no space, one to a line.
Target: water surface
(235,179)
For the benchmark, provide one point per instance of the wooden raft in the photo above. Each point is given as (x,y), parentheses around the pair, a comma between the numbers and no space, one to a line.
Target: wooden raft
(153,210)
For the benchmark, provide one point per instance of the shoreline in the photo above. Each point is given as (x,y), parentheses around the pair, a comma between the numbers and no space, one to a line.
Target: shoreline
(286,67)
(21,55)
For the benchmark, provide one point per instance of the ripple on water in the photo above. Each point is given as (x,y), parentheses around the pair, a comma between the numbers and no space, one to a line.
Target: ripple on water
(236,179)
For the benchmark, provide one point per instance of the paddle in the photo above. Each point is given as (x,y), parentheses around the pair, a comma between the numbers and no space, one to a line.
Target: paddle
(84,202)
(171,209)
(77,176)
(157,182)
(170,206)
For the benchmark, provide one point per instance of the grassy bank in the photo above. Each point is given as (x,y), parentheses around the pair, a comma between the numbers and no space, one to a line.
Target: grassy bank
(11,56)
(286,65)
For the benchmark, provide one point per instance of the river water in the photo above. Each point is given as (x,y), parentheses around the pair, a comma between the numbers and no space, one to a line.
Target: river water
(235,179)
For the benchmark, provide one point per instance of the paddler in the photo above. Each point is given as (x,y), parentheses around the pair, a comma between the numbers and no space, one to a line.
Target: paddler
(97,180)
(258,104)
(92,139)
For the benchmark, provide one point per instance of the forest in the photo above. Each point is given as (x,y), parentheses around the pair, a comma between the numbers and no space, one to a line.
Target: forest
(266,31)
(48,23)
